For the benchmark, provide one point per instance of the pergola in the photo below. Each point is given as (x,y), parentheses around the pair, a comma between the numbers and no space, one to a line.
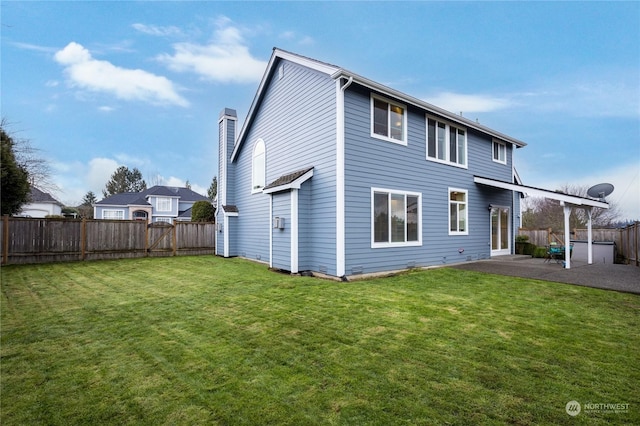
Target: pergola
(567,201)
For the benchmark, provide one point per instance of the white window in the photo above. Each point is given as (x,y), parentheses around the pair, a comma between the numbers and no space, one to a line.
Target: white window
(113,214)
(258,167)
(388,120)
(499,152)
(396,218)
(163,219)
(446,143)
(163,204)
(458,212)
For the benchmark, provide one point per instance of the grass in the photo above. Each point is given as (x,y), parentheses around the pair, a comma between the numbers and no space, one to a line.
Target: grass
(203,340)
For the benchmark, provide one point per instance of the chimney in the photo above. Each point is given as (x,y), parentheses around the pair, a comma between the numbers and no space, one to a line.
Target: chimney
(226,140)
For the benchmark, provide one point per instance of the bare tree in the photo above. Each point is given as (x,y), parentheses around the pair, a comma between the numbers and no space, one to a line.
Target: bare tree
(542,213)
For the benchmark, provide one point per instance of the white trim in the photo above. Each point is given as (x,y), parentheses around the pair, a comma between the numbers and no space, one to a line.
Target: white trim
(466,211)
(255,190)
(340,180)
(170,209)
(495,142)
(294,231)
(507,250)
(390,192)
(225,230)
(571,199)
(387,91)
(296,184)
(270,232)
(389,102)
(447,142)
(112,210)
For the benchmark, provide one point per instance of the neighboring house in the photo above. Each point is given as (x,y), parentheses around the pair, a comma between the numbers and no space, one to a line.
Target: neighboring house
(338,174)
(156,204)
(41,204)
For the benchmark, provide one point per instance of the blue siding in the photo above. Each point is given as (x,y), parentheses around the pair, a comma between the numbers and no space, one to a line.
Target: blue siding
(372,162)
(282,237)
(305,221)
(296,120)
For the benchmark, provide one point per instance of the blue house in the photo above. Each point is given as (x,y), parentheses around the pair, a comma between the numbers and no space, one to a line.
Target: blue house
(156,204)
(337,174)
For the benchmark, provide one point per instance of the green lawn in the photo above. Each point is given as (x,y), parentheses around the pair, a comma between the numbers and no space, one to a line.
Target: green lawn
(203,340)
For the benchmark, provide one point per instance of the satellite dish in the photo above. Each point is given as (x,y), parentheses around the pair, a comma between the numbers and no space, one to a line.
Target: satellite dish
(600,190)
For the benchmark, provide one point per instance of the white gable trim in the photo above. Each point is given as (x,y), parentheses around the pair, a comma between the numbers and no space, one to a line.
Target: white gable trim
(296,184)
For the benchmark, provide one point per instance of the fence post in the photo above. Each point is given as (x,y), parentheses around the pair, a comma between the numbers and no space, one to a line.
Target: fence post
(83,238)
(146,240)
(635,227)
(175,243)
(5,239)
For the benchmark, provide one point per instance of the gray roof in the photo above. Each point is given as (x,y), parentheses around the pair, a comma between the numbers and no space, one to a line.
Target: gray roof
(140,198)
(288,178)
(37,196)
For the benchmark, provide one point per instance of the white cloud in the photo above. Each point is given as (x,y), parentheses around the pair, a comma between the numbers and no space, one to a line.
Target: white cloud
(159,31)
(225,59)
(106,108)
(95,75)
(468,103)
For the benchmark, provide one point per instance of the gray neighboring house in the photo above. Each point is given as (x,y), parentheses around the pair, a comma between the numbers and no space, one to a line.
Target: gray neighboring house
(156,204)
(338,174)
(41,204)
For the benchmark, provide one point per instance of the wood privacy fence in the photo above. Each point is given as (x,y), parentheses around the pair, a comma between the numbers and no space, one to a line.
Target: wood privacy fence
(26,240)
(626,239)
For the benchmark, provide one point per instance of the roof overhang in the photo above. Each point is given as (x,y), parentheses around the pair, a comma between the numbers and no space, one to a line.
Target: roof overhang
(300,178)
(387,91)
(546,193)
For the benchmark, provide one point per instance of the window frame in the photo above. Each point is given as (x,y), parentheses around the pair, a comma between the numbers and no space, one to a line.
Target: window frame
(389,103)
(447,142)
(496,143)
(255,189)
(121,211)
(163,219)
(389,243)
(164,200)
(466,211)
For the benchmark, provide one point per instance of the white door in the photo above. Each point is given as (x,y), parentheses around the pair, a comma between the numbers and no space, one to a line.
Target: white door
(500,231)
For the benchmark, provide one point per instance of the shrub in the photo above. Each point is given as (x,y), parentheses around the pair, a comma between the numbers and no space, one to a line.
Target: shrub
(202,211)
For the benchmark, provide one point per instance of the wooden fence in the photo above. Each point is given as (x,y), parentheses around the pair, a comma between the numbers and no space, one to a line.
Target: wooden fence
(626,239)
(26,240)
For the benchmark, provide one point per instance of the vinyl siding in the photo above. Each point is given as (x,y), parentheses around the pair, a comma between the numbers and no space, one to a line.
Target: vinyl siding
(370,162)
(282,237)
(296,121)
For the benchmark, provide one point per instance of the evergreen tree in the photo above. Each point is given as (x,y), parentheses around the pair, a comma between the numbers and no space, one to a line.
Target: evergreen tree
(212,192)
(14,176)
(124,180)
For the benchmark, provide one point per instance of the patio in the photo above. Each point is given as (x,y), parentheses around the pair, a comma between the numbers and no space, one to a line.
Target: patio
(624,278)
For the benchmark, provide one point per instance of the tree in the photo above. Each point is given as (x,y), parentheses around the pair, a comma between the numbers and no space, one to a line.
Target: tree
(86,207)
(212,192)
(543,213)
(124,180)
(38,169)
(202,211)
(14,176)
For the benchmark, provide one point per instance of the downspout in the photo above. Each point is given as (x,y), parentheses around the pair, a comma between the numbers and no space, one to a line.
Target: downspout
(340,178)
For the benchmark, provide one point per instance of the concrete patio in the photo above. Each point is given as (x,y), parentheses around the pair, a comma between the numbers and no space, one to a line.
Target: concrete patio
(625,278)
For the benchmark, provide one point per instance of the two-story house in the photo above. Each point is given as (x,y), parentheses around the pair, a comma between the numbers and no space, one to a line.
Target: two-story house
(338,174)
(156,204)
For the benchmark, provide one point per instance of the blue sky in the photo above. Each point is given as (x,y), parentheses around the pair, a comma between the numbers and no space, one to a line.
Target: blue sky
(95,85)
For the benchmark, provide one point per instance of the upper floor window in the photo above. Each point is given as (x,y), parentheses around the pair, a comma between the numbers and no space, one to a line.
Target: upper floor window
(396,218)
(163,204)
(388,120)
(499,152)
(446,143)
(458,223)
(258,166)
